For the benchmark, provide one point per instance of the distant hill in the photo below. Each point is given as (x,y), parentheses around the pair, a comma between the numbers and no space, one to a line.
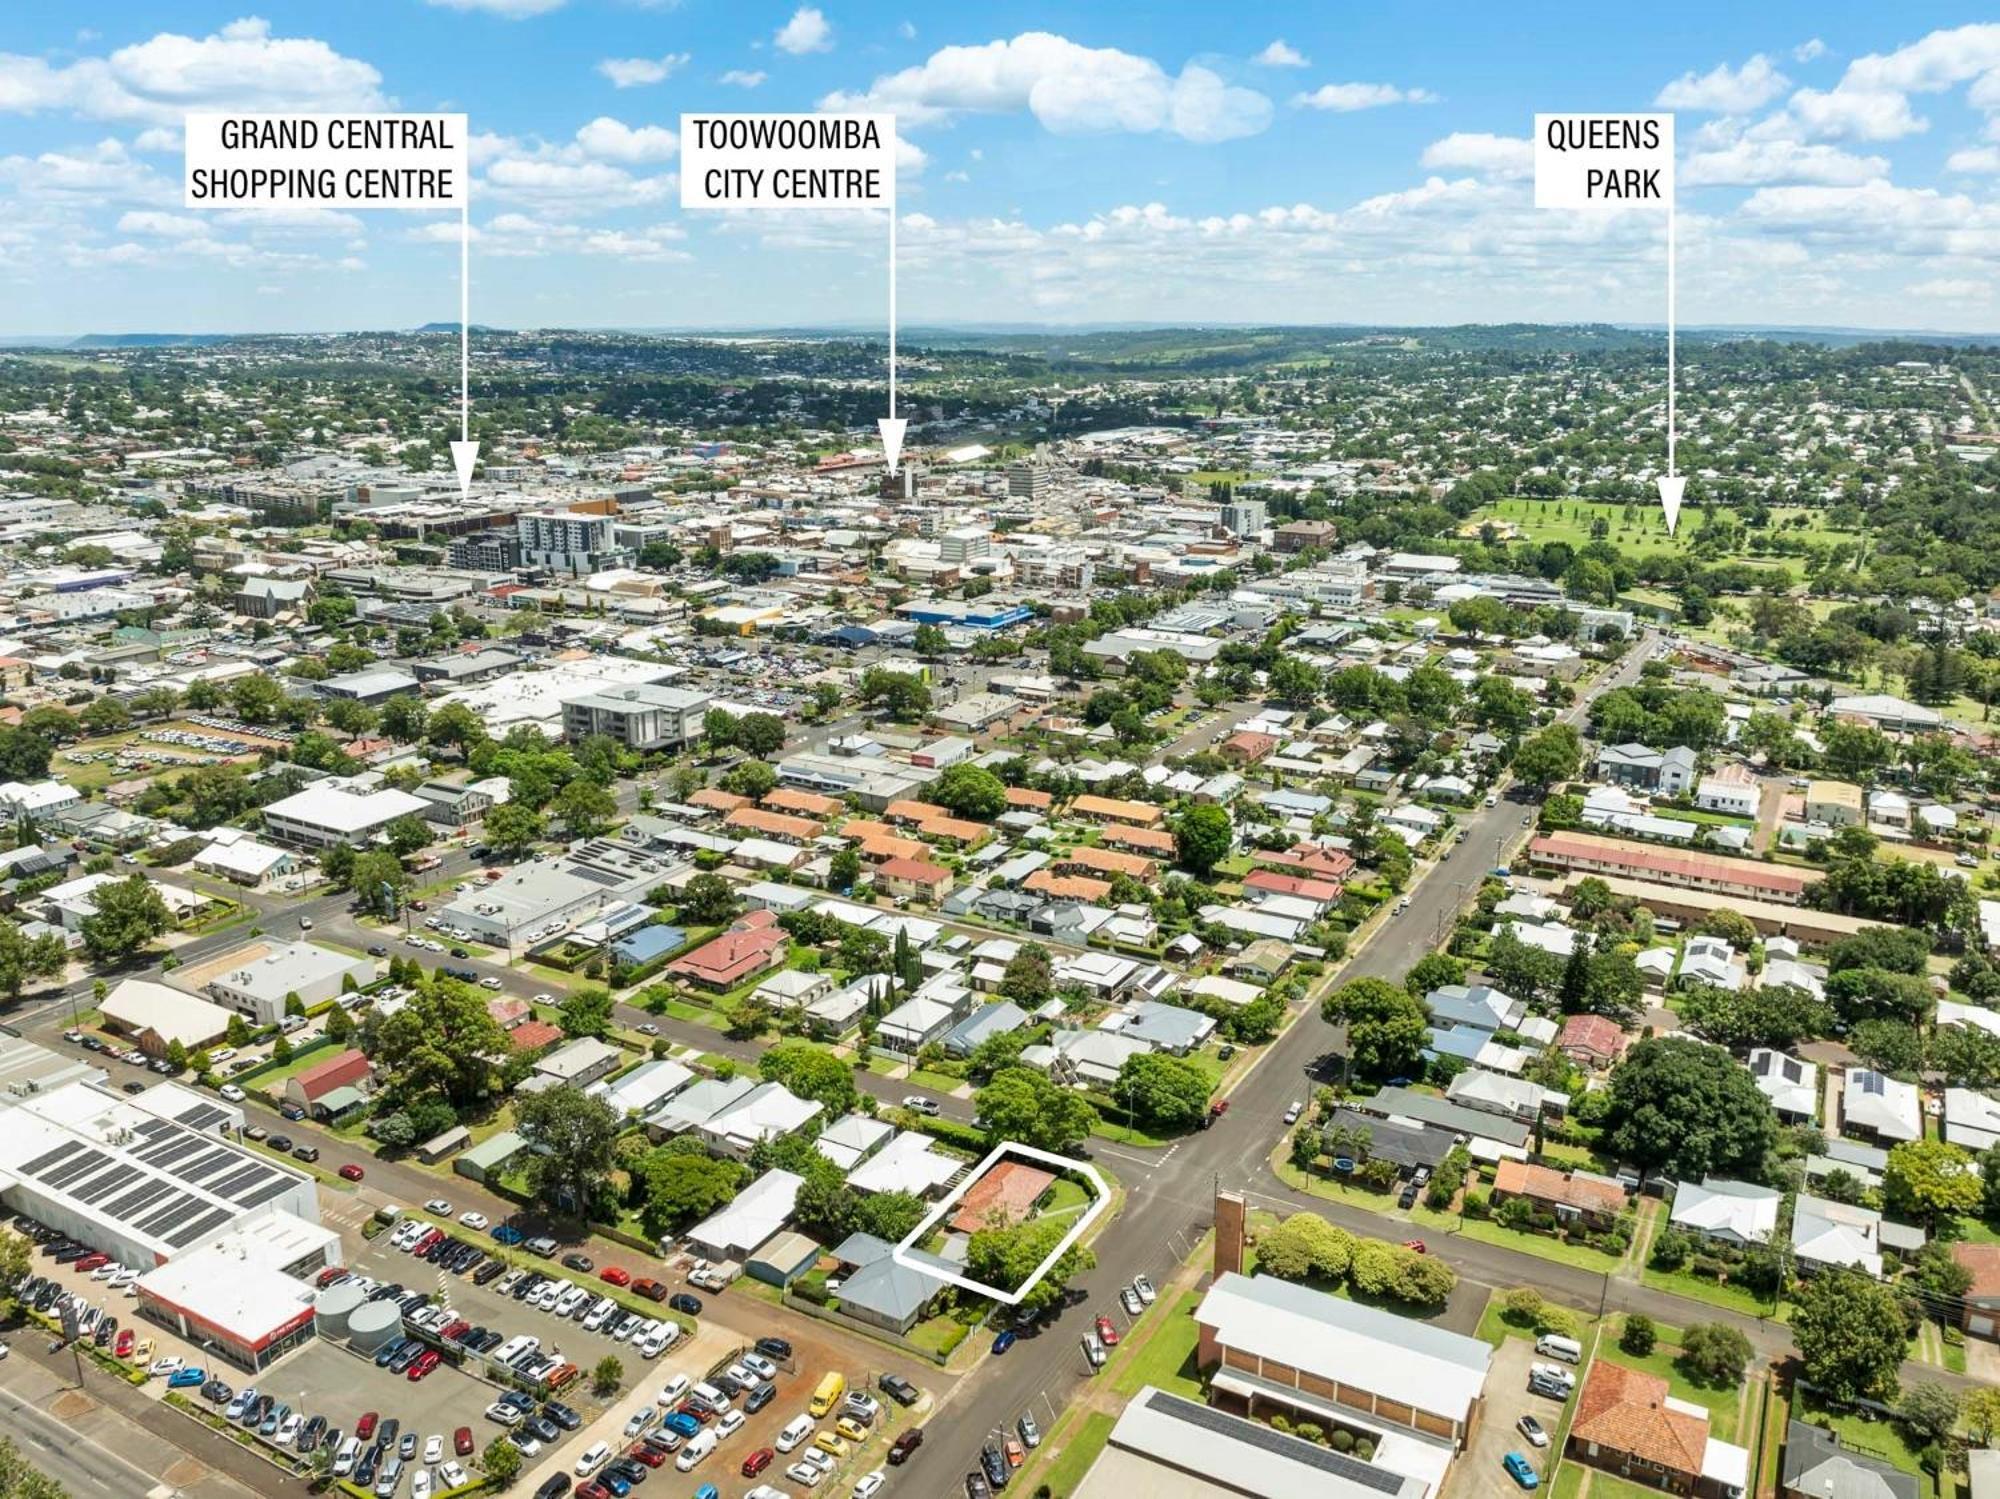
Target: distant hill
(453,328)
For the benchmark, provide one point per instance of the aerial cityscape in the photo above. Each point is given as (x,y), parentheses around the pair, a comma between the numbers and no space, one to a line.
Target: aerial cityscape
(806,750)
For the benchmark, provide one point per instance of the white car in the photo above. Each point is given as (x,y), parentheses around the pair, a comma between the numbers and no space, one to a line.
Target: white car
(420,1484)
(1292,1113)
(816,1457)
(675,1392)
(652,1344)
(288,1429)
(1145,1289)
(804,1474)
(452,1476)
(528,1445)
(439,1206)
(231,1092)
(473,1220)
(433,1449)
(870,1484)
(503,1415)
(545,998)
(730,1424)
(489,982)
(916,1103)
(166,1365)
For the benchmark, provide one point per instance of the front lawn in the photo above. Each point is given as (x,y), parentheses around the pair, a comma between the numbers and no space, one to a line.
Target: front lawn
(1583,1257)
(1878,1439)
(1729,1297)
(1166,1360)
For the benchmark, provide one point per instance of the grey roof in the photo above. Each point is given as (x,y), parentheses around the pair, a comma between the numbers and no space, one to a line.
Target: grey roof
(1388,1140)
(987,1020)
(881,1283)
(1226,1453)
(1817,1465)
(1167,1025)
(1429,1109)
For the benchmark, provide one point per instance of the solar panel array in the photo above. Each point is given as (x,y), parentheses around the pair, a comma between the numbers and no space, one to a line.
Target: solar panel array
(1255,1434)
(149,1185)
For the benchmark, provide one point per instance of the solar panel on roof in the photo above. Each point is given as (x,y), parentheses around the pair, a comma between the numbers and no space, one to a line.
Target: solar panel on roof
(42,1162)
(203,1115)
(151,1127)
(201,1227)
(166,1152)
(138,1199)
(74,1169)
(1251,1434)
(177,1211)
(263,1195)
(239,1181)
(200,1166)
(1871,1082)
(105,1183)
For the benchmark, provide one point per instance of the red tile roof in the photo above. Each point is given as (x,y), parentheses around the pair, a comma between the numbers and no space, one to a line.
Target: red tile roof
(1010,1190)
(533,1035)
(1594,1034)
(732,957)
(1303,886)
(1544,1184)
(335,1072)
(1983,1260)
(1670,865)
(1626,1411)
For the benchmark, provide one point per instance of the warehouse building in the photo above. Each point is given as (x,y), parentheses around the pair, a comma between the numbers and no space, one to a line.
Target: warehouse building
(264,975)
(325,815)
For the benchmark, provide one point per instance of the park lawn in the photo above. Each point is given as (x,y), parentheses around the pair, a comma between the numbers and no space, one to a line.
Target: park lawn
(1694,1288)
(1080,1448)
(1124,1134)
(1166,1360)
(680,1009)
(1581,1256)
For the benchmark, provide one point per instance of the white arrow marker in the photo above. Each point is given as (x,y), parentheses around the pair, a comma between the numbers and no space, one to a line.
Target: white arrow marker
(464,452)
(893,427)
(1672,486)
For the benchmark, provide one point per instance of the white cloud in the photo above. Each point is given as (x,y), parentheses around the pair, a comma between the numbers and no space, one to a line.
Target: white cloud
(507,10)
(1344,98)
(1068,87)
(163,225)
(1489,155)
(92,175)
(596,183)
(807,31)
(1845,113)
(161,138)
(1810,50)
(242,66)
(743,77)
(1751,163)
(1726,90)
(1282,54)
(612,140)
(638,72)
(1871,101)
(1974,159)
(1952,289)
(291,218)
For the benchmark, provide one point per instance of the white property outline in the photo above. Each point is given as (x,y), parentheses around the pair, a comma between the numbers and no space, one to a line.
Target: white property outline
(1101,1201)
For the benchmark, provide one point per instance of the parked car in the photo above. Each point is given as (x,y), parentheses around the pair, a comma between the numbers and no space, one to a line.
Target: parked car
(1530,1428)
(1520,1470)
(905,1446)
(351,1172)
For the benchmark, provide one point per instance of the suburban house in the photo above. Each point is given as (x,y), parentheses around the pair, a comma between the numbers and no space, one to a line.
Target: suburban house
(1817,1466)
(1591,1041)
(1834,804)
(1573,1196)
(1791,1083)
(1982,1297)
(1732,791)
(736,955)
(1004,1196)
(913,879)
(877,1289)
(1667,772)
(1839,1235)
(1879,1108)
(333,1088)
(1721,1211)
(1627,1423)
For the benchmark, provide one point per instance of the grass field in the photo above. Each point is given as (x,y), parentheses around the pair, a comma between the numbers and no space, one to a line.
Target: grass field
(1167,1359)
(1081,1445)
(1645,533)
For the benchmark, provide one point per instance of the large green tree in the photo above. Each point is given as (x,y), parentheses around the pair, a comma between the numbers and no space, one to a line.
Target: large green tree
(514,828)
(126,915)
(1165,1091)
(1006,1257)
(1021,1104)
(1687,1110)
(969,791)
(1387,1026)
(444,1040)
(1852,1335)
(571,1137)
(1202,837)
(809,1072)
(24,958)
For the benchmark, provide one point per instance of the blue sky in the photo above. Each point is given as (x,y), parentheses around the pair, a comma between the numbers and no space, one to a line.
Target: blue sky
(1840,164)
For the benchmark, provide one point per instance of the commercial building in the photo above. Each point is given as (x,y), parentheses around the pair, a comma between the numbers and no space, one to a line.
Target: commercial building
(328,814)
(567,541)
(1276,1346)
(141,1178)
(154,1017)
(263,976)
(1588,853)
(641,717)
(248,1295)
(535,902)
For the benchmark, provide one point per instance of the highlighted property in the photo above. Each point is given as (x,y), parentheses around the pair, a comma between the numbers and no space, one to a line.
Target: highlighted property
(1003,1192)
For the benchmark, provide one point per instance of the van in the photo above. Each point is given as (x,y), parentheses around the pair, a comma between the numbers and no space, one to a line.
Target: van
(545,1247)
(832,1385)
(711,1397)
(1554,1346)
(698,1447)
(593,1458)
(797,1432)
(388,1213)
(392,1474)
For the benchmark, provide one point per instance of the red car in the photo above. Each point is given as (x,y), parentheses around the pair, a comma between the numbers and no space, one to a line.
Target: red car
(652,1457)
(454,1328)
(329,1275)
(461,1441)
(1106,1332)
(701,1413)
(365,1427)
(352,1172)
(757,1462)
(123,1347)
(612,1275)
(90,1262)
(1415,1246)
(591,1490)
(426,1361)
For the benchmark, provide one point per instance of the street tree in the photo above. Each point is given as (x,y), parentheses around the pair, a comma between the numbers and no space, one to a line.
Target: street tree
(1687,1110)
(1387,1026)
(127,914)
(1203,836)
(1852,1335)
(570,1136)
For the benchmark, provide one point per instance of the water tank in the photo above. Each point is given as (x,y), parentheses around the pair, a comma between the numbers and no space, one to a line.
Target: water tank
(372,1324)
(333,1306)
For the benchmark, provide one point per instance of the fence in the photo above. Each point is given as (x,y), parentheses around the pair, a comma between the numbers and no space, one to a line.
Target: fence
(866,1329)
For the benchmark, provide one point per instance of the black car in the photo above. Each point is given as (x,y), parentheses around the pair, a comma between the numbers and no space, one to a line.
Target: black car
(562,1415)
(364,1466)
(630,1469)
(310,1434)
(1408,1199)
(975,1486)
(133,1087)
(527,1286)
(541,1429)
(680,1301)
(280,1142)
(377,950)
(555,1488)
(492,1270)
(994,1461)
(459,952)
(761,1395)
(385,1435)
(776,1348)
(897,1389)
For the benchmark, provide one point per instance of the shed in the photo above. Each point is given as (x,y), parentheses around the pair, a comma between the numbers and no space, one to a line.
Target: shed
(782,1258)
(490,1156)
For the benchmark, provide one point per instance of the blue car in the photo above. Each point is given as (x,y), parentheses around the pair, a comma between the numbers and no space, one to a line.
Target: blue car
(708,1491)
(182,1379)
(683,1423)
(1520,1470)
(506,1233)
(1005,1341)
(614,1483)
